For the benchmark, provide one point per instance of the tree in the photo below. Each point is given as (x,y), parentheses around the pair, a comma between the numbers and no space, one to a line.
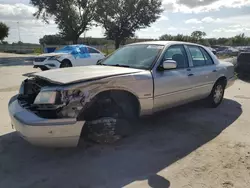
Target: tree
(212,41)
(73,17)
(198,35)
(204,42)
(121,18)
(239,40)
(222,41)
(4,42)
(4,31)
(52,40)
(167,37)
(178,37)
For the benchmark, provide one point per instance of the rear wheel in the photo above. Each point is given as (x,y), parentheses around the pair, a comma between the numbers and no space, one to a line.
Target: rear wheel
(65,64)
(217,94)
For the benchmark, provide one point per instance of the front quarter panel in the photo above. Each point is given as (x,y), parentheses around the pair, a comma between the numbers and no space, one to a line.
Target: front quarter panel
(69,57)
(139,84)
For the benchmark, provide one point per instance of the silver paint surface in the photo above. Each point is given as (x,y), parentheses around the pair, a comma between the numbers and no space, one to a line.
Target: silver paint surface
(155,90)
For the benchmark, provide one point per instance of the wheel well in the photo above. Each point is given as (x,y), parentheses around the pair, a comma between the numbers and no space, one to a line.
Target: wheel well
(66,60)
(222,79)
(118,95)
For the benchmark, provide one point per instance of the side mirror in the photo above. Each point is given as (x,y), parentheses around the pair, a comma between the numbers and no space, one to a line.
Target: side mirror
(169,64)
(99,61)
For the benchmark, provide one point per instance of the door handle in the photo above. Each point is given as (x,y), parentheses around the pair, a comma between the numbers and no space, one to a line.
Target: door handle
(214,70)
(191,75)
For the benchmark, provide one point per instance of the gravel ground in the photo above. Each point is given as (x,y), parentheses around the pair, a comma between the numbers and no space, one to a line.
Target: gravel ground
(187,147)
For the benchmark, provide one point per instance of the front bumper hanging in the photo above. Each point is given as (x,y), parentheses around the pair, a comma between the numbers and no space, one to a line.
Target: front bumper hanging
(44,132)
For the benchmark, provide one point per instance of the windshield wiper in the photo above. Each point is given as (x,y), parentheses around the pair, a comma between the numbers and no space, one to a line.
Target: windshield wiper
(118,65)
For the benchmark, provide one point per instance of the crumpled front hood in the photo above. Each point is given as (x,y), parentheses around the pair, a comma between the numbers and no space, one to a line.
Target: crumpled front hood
(84,73)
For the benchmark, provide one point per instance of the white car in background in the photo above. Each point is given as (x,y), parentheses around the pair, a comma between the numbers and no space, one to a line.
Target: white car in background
(68,56)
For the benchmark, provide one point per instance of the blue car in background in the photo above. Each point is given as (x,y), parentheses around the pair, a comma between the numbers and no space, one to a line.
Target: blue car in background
(68,56)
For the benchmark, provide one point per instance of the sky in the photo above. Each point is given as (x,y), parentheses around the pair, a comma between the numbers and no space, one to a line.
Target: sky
(218,18)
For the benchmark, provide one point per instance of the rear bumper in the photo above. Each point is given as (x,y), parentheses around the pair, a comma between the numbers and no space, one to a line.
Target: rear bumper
(44,132)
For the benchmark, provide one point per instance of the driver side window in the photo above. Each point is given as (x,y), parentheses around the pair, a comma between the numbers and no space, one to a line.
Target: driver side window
(178,54)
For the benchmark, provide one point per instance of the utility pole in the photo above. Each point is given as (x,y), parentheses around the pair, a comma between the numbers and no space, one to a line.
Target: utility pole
(18,32)
(19,37)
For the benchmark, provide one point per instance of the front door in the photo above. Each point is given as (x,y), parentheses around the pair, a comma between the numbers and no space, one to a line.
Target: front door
(172,87)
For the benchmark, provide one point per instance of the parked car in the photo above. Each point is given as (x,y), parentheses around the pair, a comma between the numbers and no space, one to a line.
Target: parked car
(229,51)
(56,107)
(243,63)
(212,50)
(68,56)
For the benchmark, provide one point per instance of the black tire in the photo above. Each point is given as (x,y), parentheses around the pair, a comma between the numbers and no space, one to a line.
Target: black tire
(112,121)
(43,69)
(217,94)
(107,130)
(66,64)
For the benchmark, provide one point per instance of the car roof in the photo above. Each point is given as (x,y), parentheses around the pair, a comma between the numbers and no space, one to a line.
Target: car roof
(244,53)
(77,45)
(165,43)
(81,45)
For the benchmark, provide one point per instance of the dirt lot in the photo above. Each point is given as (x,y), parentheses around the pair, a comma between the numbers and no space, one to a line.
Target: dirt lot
(187,147)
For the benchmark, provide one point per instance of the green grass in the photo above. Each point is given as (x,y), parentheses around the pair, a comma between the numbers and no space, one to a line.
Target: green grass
(108,51)
(38,51)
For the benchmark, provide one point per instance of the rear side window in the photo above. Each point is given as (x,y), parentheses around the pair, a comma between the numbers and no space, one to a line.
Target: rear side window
(197,56)
(93,51)
(83,50)
(200,56)
(209,60)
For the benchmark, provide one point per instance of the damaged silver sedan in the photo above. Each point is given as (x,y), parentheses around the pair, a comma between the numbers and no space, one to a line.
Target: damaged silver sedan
(58,107)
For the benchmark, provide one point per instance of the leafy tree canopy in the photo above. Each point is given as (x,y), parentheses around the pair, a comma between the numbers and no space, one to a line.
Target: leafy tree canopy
(52,40)
(198,37)
(121,18)
(73,17)
(4,31)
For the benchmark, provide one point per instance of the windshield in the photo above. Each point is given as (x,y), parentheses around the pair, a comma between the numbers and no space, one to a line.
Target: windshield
(135,56)
(66,49)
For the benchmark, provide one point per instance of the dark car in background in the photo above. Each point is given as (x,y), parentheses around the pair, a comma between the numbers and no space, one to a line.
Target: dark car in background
(243,63)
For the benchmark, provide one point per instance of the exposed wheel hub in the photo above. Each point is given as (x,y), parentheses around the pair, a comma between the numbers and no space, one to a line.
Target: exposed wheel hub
(218,93)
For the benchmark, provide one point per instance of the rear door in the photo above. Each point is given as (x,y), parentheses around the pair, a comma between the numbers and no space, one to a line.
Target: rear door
(81,57)
(95,55)
(204,71)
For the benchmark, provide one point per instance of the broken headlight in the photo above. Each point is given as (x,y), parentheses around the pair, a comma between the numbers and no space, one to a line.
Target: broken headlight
(47,97)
